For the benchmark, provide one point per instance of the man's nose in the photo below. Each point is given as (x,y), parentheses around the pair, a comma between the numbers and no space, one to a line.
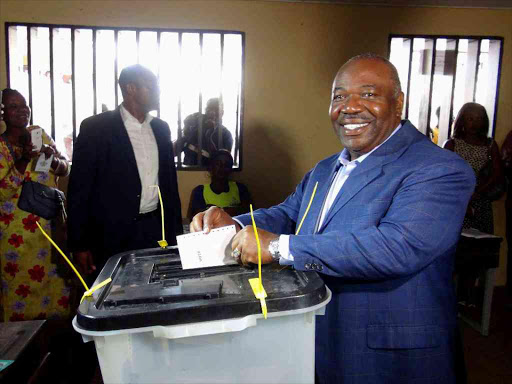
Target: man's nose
(352,104)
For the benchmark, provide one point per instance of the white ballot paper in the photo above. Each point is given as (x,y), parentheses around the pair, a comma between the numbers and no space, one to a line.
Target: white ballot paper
(43,164)
(36,137)
(198,250)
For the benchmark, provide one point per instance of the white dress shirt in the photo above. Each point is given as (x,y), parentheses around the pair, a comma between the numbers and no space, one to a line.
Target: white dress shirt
(146,155)
(341,177)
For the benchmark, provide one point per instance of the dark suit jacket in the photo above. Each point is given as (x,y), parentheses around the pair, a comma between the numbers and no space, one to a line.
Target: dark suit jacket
(104,187)
(386,250)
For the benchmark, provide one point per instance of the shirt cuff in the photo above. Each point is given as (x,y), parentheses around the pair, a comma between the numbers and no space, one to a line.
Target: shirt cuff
(239,223)
(284,250)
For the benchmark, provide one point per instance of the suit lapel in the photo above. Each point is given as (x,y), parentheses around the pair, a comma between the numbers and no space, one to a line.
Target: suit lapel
(322,191)
(371,168)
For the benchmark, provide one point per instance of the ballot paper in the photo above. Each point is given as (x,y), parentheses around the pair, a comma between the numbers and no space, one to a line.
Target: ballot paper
(200,250)
(36,137)
(43,164)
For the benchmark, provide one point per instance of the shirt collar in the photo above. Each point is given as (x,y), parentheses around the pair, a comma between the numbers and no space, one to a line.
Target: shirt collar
(344,157)
(127,116)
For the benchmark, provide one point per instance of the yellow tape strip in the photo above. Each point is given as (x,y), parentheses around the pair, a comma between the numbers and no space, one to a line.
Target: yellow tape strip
(307,209)
(256,283)
(162,243)
(88,292)
(63,255)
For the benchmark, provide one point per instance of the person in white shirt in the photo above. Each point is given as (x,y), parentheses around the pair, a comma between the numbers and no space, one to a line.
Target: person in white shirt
(119,158)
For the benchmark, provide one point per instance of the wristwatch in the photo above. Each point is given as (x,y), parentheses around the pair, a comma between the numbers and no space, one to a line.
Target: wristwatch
(273,249)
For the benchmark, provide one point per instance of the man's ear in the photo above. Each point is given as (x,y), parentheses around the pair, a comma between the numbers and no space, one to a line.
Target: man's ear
(400,105)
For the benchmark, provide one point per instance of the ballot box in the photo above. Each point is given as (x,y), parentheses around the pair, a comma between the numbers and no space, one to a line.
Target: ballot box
(158,323)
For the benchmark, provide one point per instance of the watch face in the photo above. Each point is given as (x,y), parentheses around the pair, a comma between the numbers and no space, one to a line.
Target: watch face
(274,249)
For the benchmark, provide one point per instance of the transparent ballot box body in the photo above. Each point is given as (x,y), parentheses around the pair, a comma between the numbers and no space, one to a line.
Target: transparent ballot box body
(158,323)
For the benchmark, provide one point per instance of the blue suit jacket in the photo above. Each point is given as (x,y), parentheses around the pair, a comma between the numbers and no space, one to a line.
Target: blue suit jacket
(386,250)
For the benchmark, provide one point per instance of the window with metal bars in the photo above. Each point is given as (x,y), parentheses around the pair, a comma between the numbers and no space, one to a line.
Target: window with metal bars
(439,74)
(68,73)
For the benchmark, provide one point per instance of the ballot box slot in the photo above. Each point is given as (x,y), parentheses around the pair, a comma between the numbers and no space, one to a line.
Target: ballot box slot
(171,272)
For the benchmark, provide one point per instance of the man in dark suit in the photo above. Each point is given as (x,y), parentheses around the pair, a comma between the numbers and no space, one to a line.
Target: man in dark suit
(118,158)
(381,230)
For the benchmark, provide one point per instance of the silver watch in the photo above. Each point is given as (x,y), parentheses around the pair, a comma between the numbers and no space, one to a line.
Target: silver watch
(273,248)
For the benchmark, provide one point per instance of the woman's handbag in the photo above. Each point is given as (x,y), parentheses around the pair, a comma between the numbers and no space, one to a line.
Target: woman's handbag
(41,200)
(497,189)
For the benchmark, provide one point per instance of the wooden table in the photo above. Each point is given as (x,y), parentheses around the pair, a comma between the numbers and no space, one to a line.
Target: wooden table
(480,254)
(19,343)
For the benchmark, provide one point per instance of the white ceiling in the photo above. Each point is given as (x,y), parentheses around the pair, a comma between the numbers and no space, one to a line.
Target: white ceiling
(420,3)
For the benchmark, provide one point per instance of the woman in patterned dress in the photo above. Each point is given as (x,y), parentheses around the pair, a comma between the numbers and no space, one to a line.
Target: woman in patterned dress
(31,288)
(470,141)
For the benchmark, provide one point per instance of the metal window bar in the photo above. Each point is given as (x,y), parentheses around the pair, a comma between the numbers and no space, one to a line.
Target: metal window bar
(180,132)
(237,139)
(200,109)
(73,83)
(241,105)
(221,101)
(137,40)
(431,87)
(477,66)
(498,78)
(52,84)
(73,28)
(454,78)
(158,66)
(116,69)
(409,72)
(94,75)
(29,70)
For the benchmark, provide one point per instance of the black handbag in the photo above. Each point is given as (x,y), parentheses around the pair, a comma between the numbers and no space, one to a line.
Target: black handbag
(41,200)
(496,190)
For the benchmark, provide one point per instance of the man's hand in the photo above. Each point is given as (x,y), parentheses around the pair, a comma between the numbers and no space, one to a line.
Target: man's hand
(245,242)
(213,217)
(84,262)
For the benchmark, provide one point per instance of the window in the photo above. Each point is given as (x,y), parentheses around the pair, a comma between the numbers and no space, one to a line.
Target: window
(441,73)
(68,73)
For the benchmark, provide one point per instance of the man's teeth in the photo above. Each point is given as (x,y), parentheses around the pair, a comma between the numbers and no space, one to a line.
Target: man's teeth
(355,126)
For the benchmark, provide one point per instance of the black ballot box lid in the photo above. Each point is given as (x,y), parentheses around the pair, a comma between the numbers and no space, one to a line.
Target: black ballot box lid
(149,287)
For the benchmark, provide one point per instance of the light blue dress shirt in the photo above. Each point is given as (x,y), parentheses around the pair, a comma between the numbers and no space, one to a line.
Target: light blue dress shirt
(341,177)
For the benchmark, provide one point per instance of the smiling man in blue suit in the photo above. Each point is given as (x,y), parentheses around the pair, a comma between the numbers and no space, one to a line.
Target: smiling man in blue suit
(381,231)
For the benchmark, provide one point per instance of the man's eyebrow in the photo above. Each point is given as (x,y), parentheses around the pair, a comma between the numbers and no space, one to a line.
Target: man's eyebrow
(372,86)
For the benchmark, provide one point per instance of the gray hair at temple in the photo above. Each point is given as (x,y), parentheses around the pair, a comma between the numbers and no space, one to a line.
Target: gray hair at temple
(373,56)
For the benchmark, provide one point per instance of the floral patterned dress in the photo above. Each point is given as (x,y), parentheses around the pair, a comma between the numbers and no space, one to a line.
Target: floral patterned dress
(30,286)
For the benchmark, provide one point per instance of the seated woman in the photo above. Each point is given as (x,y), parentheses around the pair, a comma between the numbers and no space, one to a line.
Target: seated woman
(232,196)
(31,287)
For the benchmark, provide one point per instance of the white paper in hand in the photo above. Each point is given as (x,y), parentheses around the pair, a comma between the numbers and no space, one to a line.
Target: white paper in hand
(198,250)
(36,137)
(43,164)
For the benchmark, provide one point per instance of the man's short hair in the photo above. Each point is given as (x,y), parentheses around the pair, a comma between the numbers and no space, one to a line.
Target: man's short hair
(394,73)
(215,102)
(133,74)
